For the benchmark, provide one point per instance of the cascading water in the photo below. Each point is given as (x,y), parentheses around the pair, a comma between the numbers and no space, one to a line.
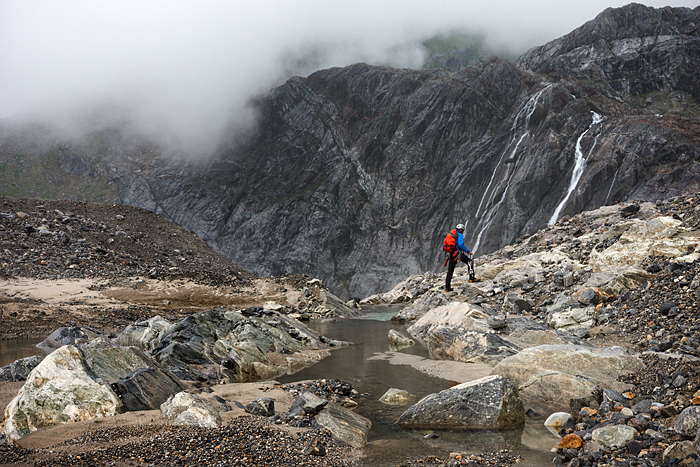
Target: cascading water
(522,120)
(579,166)
(612,184)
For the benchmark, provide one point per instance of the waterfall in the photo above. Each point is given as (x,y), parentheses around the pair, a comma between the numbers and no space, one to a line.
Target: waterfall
(579,166)
(521,120)
(611,187)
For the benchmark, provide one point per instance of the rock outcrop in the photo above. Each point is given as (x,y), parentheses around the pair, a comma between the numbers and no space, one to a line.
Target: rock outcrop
(548,376)
(219,345)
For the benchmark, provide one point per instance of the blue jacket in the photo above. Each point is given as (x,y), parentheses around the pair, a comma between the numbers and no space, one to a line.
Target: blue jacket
(460,241)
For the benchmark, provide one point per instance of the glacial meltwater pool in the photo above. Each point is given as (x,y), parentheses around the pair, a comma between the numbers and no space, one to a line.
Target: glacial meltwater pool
(388,443)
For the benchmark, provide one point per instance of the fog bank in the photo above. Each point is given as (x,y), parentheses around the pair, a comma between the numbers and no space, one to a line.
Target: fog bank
(186,69)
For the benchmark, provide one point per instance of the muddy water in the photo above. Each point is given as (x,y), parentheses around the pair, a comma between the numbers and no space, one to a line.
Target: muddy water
(14,349)
(389,444)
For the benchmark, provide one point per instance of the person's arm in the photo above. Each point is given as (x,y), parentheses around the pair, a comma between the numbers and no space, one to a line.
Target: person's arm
(460,244)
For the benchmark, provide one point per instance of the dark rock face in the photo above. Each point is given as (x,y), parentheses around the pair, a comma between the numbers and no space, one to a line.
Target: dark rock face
(19,369)
(146,388)
(355,174)
(68,336)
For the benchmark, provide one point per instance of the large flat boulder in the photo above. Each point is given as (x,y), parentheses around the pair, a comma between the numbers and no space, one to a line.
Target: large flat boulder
(549,375)
(61,389)
(484,404)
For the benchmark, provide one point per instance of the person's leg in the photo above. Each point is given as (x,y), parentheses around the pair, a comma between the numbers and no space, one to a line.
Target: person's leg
(450,271)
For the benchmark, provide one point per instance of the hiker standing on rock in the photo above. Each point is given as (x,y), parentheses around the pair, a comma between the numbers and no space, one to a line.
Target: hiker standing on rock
(454,246)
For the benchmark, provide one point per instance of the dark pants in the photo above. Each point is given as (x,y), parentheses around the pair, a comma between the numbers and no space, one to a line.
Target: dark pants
(451,263)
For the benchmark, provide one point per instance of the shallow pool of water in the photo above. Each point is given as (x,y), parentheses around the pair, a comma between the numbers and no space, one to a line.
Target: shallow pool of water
(388,443)
(14,349)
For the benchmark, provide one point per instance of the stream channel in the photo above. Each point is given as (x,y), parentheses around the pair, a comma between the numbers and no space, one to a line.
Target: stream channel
(389,444)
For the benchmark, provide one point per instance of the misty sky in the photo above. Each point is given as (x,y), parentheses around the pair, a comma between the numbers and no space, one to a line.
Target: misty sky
(186,67)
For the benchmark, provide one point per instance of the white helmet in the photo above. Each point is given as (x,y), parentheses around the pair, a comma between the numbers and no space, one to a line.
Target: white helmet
(460,226)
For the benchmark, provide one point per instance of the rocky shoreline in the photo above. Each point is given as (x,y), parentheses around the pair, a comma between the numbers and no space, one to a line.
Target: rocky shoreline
(619,276)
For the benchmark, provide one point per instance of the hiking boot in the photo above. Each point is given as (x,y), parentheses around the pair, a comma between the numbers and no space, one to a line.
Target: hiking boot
(473,279)
(448,290)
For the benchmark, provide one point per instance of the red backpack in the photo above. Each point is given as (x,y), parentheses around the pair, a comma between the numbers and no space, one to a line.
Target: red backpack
(449,244)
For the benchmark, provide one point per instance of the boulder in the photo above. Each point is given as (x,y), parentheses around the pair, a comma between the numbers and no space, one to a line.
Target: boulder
(426,302)
(108,361)
(191,410)
(398,341)
(548,376)
(345,426)
(454,315)
(558,420)
(264,406)
(574,318)
(146,388)
(613,436)
(307,403)
(61,389)
(489,348)
(678,450)
(461,332)
(145,334)
(395,396)
(514,304)
(19,369)
(688,422)
(68,336)
(487,403)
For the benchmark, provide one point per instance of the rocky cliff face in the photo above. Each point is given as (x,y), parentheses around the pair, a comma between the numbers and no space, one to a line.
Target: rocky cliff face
(356,173)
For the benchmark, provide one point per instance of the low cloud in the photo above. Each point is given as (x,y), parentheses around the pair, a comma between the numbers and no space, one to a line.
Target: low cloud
(186,69)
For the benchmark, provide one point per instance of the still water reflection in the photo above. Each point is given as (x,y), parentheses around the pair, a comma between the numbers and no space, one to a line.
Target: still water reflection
(14,349)
(389,444)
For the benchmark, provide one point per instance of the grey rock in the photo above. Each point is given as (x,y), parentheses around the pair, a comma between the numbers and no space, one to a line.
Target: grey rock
(146,388)
(345,426)
(394,396)
(688,422)
(513,304)
(678,450)
(68,336)
(264,406)
(614,436)
(191,410)
(19,369)
(307,403)
(61,389)
(398,340)
(487,403)
(550,375)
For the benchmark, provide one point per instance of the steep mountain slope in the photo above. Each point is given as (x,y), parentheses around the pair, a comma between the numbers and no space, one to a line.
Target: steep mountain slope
(356,173)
